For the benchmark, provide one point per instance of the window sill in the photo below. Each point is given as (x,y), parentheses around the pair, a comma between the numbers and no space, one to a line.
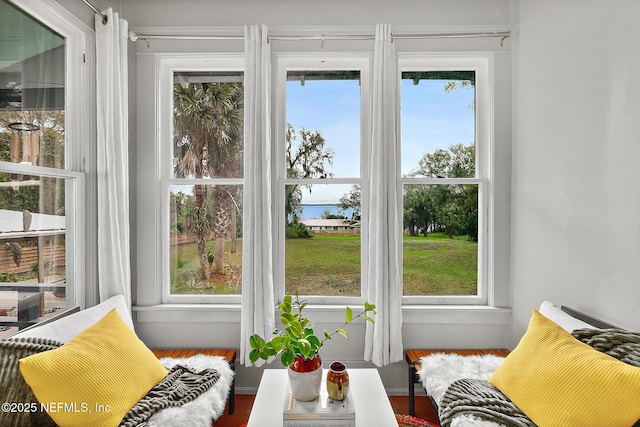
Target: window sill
(456,314)
(188,313)
(230,313)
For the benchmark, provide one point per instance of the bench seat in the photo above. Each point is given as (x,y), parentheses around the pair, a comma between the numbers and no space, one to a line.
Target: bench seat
(228,354)
(413,357)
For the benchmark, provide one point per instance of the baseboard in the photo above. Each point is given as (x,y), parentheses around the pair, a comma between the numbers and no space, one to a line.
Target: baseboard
(246,390)
(402,391)
(396,391)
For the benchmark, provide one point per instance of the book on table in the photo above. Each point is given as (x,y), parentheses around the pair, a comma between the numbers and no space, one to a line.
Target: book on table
(321,412)
(319,423)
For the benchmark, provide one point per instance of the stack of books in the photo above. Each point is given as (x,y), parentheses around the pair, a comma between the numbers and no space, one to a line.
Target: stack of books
(321,412)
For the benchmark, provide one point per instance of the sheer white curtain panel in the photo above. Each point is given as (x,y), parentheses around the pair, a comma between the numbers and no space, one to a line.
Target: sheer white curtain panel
(258,311)
(114,268)
(383,339)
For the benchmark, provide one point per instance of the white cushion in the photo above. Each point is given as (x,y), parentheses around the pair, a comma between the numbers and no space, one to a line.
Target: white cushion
(439,370)
(65,328)
(567,322)
(207,407)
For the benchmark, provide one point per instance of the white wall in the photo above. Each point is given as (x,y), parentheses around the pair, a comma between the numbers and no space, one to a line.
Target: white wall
(576,149)
(170,13)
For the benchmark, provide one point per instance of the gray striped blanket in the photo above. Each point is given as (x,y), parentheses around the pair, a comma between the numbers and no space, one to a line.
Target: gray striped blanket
(482,400)
(13,387)
(623,345)
(181,385)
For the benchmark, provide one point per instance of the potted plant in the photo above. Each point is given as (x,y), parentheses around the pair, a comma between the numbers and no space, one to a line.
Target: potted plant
(298,345)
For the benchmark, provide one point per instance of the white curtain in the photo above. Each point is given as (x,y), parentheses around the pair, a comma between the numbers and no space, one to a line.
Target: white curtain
(114,269)
(383,339)
(258,314)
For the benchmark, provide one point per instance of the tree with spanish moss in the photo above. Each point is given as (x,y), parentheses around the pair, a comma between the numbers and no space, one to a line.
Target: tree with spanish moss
(306,157)
(452,208)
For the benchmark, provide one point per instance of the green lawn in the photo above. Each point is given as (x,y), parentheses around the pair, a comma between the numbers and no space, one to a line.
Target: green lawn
(432,265)
(438,265)
(323,265)
(185,271)
(330,265)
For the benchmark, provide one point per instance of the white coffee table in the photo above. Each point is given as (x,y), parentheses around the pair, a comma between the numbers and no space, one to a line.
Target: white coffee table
(369,398)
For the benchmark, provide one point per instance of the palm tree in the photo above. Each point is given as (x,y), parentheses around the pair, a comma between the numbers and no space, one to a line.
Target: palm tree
(208,143)
(225,155)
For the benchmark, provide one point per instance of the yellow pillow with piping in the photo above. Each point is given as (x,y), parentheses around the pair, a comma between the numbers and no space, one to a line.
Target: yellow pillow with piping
(96,378)
(558,381)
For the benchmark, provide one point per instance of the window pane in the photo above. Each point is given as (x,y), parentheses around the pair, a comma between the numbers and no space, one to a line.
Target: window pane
(208,125)
(440,242)
(32,91)
(322,245)
(33,226)
(438,124)
(205,239)
(323,124)
(33,255)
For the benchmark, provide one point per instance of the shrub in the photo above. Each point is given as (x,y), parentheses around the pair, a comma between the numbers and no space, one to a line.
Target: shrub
(297,230)
(7,277)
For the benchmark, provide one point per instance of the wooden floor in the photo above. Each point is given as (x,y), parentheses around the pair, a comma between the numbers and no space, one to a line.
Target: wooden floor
(400,405)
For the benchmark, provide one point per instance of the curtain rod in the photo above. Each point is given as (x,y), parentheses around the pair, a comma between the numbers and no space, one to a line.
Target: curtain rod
(105,19)
(502,34)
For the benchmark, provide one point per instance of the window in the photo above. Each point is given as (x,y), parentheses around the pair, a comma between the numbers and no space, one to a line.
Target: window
(41,199)
(444,141)
(203,181)
(320,158)
(445,186)
(321,146)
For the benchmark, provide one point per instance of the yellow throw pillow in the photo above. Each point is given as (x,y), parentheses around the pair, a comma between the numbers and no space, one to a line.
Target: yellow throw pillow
(96,378)
(558,381)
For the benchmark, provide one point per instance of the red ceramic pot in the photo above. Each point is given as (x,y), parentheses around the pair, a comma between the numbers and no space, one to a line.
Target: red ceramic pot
(300,364)
(305,377)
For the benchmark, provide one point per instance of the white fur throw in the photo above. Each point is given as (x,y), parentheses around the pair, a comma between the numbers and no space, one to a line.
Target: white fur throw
(206,408)
(439,370)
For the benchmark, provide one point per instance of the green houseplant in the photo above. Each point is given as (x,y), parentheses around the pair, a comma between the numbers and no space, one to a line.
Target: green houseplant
(298,338)
(298,345)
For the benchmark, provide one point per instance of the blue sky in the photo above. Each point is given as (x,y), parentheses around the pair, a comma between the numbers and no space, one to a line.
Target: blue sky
(431,119)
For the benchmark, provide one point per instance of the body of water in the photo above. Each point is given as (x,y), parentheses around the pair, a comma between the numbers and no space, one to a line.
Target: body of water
(316,211)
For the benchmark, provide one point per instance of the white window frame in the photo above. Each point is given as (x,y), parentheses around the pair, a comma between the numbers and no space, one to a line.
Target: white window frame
(284,62)
(482,64)
(81,236)
(169,64)
(74,223)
